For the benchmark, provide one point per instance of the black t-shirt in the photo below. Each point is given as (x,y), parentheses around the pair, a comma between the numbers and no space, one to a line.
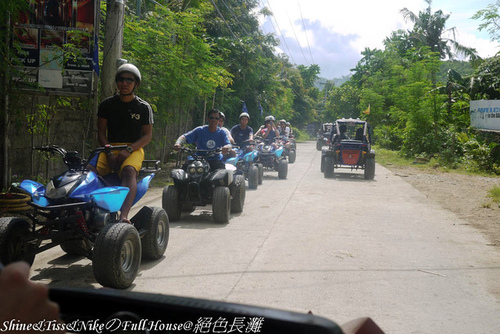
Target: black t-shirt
(125,119)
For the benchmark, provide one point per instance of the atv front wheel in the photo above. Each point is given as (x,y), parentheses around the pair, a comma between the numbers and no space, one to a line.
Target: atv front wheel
(282,169)
(221,204)
(117,255)
(261,172)
(238,193)
(253,177)
(155,241)
(15,244)
(292,156)
(170,203)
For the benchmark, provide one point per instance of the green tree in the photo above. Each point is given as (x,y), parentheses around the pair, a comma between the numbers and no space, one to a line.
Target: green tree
(429,30)
(491,20)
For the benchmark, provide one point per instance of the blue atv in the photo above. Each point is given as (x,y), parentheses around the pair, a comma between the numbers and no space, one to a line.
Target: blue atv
(271,155)
(78,211)
(244,163)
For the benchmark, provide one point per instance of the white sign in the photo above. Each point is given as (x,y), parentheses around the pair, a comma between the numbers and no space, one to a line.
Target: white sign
(485,115)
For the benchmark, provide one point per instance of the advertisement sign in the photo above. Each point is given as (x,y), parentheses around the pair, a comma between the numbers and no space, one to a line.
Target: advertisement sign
(42,33)
(485,115)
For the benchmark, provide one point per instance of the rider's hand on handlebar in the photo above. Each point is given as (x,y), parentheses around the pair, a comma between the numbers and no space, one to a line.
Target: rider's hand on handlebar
(177,147)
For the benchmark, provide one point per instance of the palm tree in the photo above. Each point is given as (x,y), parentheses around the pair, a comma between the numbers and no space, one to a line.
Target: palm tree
(429,30)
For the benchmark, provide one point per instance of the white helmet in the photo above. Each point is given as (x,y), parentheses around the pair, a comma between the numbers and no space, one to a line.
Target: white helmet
(245,114)
(130,69)
(269,118)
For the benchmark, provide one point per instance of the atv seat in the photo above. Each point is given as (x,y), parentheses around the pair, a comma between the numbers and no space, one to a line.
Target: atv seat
(150,166)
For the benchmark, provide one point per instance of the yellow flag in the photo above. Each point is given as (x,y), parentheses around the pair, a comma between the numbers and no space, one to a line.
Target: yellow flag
(367,111)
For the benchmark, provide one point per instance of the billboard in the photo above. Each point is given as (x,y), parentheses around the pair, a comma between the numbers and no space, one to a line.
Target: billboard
(44,31)
(485,115)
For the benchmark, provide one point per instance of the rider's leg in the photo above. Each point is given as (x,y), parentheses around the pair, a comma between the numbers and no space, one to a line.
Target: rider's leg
(129,179)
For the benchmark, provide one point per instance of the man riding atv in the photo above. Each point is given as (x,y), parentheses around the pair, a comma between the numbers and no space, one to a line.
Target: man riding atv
(208,137)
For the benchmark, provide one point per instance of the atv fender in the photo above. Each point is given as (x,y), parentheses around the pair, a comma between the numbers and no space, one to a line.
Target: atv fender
(179,175)
(222,177)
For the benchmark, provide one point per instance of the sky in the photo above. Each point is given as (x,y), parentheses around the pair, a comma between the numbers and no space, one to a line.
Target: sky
(332,33)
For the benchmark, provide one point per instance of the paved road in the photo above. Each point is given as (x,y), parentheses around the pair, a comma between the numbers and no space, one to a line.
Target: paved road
(342,248)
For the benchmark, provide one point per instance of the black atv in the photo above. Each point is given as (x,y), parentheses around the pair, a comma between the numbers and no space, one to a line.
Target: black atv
(197,185)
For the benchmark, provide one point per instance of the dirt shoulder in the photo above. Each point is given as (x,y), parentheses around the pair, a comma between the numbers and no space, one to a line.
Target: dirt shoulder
(465,195)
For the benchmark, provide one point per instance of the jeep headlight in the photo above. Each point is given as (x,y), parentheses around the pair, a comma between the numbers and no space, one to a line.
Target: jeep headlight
(52,192)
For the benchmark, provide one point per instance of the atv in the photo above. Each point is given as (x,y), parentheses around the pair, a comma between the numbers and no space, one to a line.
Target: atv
(78,211)
(197,185)
(271,156)
(243,161)
(350,148)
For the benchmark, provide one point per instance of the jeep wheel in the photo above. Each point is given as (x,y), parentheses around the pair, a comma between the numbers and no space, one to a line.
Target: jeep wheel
(261,172)
(15,244)
(282,169)
(369,168)
(329,167)
(238,192)
(221,204)
(117,255)
(170,203)
(253,177)
(292,156)
(155,241)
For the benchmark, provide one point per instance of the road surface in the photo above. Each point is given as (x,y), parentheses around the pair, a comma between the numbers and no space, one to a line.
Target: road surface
(341,248)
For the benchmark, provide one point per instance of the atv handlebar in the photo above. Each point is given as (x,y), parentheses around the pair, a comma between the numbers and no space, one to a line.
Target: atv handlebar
(72,159)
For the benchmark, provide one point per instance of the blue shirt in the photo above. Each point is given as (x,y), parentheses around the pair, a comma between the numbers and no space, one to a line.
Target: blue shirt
(206,140)
(240,135)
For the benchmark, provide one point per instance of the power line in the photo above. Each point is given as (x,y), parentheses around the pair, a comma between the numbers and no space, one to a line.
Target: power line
(279,30)
(305,32)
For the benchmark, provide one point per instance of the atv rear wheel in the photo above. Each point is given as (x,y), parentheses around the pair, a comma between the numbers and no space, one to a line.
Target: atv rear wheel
(170,203)
(117,255)
(238,192)
(282,169)
(15,245)
(221,204)
(155,241)
(253,177)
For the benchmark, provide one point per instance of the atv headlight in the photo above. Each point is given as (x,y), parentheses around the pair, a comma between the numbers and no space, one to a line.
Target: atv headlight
(52,192)
(266,149)
(200,170)
(192,170)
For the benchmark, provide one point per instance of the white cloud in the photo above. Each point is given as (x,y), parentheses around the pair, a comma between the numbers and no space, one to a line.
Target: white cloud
(337,31)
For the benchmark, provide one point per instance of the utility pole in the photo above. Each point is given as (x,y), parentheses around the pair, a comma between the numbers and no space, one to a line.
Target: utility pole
(113,42)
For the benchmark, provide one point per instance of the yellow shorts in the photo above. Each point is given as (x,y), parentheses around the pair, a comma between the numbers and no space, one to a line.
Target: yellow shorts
(135,160)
